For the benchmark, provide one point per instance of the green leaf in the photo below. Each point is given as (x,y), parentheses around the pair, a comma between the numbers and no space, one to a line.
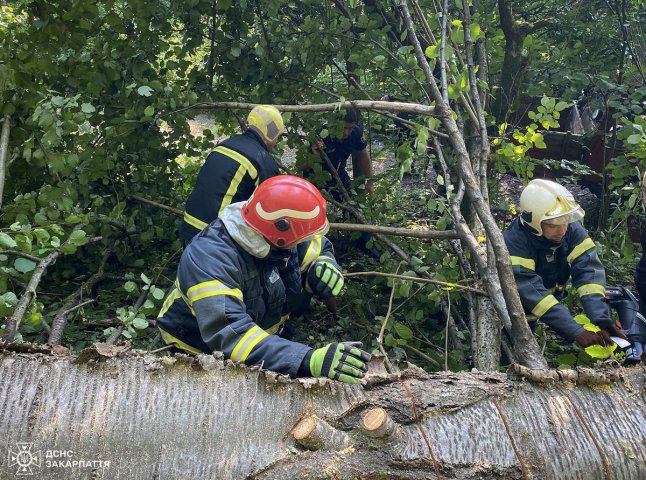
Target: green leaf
(24,265)
(130,287)
(87,108)
(597,351)
(78,238)
(6,241)
(431,52)
(634,139)
(149,111)
(145,91)
(403,331)
(145,279)
(561,106)
(591,327)
(158,293)
(581,319)
(140,323)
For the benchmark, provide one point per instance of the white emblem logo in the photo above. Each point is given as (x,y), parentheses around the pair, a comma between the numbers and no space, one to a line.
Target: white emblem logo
(24,458)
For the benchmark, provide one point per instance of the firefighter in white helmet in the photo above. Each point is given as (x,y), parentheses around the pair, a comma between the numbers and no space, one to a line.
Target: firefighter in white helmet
(549,246)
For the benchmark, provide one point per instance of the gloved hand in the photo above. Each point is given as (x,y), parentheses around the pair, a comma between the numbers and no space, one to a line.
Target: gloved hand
(587,339)
(345,362)
(325,280)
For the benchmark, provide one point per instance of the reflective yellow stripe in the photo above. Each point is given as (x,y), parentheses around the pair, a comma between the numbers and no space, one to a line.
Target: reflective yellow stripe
(313,251)
(247,343)
(584,246)
(524,262)
(233,188)
(209,289)
(241,159)
(274,329)
(544,305)
(172,296)
(184,297)
(591,289)
(194,222)
(170,340)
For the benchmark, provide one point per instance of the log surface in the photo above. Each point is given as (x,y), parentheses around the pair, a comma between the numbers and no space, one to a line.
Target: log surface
(165,418)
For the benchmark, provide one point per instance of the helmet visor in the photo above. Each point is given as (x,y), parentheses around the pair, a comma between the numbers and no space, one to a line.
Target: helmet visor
(567,218)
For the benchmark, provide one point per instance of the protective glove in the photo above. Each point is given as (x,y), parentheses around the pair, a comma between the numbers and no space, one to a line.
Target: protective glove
(345,362)
(325,280)
(587,339)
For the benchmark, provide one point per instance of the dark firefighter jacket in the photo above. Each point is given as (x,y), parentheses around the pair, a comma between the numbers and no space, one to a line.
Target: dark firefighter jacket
(229,295)
(542,268)
(230,174)
(640,271)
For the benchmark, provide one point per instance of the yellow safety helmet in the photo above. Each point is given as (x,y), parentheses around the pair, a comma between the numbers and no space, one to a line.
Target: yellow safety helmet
(267,122)
(547,201)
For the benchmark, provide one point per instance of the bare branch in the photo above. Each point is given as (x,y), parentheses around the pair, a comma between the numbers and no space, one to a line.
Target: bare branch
(418,279)
(4,148)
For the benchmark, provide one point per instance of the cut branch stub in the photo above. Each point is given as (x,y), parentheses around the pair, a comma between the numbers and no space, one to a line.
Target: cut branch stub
(316,434)
(376,423)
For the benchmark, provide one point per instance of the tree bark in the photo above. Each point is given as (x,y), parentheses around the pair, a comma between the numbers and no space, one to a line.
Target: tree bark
(181,417)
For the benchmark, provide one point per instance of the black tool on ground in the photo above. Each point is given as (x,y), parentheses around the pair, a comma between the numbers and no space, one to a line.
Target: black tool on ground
(633,321)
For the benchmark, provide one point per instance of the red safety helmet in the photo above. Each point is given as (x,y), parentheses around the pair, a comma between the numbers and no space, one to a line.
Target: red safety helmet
(286,210)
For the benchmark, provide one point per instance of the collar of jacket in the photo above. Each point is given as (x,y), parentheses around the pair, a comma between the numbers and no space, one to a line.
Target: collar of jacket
(245,236)
(257,138)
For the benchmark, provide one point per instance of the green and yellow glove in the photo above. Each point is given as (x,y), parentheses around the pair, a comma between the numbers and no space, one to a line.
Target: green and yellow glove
(325,279)
(345,362)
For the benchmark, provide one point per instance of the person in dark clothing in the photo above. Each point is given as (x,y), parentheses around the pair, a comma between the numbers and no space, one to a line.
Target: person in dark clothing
(548,246)
(233,170)
(338,149)
(230,293)
(640,272)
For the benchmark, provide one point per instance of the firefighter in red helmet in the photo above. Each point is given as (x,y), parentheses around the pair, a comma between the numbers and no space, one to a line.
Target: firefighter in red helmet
(232,287)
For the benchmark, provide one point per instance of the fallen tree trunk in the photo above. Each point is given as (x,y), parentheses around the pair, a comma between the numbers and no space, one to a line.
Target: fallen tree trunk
(180,417)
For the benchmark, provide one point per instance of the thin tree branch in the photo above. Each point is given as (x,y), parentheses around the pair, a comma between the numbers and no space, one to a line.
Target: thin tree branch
(396,231)
(417,279)
(4,148)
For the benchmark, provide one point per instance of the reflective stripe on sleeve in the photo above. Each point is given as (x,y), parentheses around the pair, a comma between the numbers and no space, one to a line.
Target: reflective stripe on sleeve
(194,222)
(313,251)
(170,340)
(591,289)
(209,289)
(247,343)
(544,305)
(233,188)
(184,297)
(172,296)
(524,262)
(582,247)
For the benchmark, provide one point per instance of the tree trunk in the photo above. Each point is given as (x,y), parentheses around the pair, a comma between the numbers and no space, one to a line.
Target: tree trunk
(163,417)
(488,333)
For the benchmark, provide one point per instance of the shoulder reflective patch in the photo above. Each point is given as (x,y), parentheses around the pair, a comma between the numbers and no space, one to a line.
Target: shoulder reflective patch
(544,305)
(241,159)
(194,222)
(582,247)
(591,289)
(210,289)
(524,262)
(247,343)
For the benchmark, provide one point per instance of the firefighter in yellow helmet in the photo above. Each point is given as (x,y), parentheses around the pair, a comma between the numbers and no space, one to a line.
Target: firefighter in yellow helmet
(548,247)
(233,170)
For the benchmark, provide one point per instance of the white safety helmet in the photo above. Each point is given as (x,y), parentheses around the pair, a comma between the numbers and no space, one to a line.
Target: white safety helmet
(547,201)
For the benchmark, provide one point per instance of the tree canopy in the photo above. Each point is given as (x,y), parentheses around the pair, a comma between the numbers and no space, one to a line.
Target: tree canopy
(99,101)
